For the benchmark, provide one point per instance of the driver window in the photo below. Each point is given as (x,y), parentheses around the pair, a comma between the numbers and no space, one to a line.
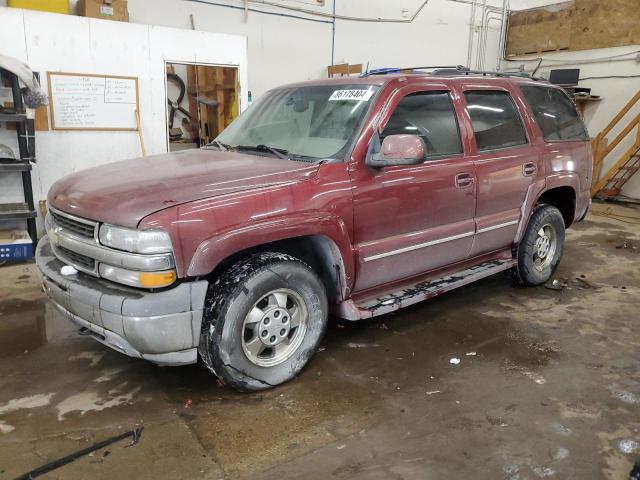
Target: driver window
(431,116)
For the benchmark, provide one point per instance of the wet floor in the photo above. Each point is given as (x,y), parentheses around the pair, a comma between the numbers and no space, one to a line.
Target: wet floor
(547,385)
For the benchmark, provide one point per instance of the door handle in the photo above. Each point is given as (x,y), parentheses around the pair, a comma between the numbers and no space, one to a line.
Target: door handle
(529,169)
(464,180)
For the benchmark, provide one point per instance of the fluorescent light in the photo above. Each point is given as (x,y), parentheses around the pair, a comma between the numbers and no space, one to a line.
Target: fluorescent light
(484,107)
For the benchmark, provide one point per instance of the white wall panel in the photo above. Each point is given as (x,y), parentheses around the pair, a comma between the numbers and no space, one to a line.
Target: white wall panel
(75,44)
(280,49)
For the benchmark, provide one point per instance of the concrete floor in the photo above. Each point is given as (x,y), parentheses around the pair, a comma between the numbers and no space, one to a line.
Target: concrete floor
(548,386)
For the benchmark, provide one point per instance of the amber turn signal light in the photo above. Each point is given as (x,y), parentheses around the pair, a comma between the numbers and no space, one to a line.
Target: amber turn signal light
(156,279)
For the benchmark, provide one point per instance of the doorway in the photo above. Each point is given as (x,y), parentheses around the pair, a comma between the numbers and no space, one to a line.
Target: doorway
(202,100)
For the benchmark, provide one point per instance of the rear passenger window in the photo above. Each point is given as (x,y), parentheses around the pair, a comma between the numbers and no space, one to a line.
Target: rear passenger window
(496,122)
(429,115)
(556,114)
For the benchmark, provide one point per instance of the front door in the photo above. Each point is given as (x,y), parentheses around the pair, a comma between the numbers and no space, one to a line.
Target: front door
(415,218)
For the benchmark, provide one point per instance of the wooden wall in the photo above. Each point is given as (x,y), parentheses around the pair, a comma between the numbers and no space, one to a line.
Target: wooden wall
(576,25)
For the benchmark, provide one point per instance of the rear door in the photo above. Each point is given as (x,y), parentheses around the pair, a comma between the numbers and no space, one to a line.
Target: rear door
(415,218)
(505,161)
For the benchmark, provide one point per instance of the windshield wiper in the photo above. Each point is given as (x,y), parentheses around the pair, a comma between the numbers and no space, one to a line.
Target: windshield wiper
(278,152)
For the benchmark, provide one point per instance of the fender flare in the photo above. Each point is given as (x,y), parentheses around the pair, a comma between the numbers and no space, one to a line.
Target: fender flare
(537,189)
(212,251)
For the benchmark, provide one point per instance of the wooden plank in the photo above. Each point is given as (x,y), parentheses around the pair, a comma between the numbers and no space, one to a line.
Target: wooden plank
(630,126)
(628,106)
(42,119)
(539,30)
(230,95)
(194,130)
(576,25)
(604,24)
(206,120)
(614,169)
(340,69)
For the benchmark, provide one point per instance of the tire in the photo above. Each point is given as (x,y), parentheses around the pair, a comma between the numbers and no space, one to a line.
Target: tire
(254,338)
(545,232)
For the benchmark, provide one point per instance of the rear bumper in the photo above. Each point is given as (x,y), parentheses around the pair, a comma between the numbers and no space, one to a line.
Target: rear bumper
(162,327)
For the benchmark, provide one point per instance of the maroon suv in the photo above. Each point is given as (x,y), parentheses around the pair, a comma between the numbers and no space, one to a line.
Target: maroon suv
(351,196)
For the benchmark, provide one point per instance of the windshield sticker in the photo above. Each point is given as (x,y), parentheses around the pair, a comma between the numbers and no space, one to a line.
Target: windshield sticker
(351,95)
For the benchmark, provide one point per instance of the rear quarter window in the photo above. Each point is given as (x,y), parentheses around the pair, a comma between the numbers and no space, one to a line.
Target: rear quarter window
(555,114)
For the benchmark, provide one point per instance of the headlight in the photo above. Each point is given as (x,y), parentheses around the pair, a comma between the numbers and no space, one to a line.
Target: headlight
(137,279)
(135,241)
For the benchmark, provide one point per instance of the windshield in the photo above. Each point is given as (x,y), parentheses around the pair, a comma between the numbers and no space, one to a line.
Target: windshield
(312,122)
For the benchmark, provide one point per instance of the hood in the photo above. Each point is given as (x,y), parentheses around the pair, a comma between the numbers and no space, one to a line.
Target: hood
(123,193)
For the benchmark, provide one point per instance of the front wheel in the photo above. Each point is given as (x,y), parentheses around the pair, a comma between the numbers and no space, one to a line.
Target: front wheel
(541,247)
(264,319)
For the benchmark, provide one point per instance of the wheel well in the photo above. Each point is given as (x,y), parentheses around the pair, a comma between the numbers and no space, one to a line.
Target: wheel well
(564,199)
(317,251)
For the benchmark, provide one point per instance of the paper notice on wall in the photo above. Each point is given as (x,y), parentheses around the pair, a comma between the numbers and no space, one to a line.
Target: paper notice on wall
(351,95)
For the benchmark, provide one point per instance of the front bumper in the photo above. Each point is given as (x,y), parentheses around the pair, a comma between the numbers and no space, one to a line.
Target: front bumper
(162,327)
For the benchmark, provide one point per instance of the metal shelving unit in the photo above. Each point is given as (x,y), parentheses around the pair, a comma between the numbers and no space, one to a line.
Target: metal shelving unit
(26,146)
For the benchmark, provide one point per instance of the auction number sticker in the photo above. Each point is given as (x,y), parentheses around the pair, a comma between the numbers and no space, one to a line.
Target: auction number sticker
(351,95)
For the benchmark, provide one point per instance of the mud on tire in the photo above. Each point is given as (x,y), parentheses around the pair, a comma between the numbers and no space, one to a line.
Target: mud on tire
(544,235)
(245,288)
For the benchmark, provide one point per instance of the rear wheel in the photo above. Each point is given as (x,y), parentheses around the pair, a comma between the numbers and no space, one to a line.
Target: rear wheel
(264,319)
(541,247)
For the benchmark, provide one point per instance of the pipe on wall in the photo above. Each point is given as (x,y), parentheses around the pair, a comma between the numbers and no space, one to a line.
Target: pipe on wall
(481,32)
(341,17)
(502,46)
(486,9)
(484,41)
(333,35)
(345,17)
(472,24)
(556,62)
(263,12)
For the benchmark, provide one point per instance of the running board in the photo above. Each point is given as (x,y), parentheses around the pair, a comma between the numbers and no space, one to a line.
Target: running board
(420,291)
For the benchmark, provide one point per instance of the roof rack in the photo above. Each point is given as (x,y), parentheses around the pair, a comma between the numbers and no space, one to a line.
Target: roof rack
(467,71)
(485,73)
(389,71)
(449,70)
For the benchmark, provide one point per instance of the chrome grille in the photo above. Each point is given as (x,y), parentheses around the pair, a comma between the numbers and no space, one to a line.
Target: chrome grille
(82,229)
(76,258)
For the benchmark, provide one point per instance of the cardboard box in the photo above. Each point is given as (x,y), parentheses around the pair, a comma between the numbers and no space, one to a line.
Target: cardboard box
(15,245)
(105,9)
(55,6)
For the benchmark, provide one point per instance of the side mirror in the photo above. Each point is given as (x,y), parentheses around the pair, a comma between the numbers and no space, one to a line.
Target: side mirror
(398,150)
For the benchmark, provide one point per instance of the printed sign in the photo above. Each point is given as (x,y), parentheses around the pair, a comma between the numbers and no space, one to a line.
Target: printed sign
(351,95)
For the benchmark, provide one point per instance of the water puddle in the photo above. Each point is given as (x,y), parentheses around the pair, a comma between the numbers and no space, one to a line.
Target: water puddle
(27,325)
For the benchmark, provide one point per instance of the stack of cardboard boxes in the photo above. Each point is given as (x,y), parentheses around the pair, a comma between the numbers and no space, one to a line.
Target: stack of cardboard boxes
(105,9)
